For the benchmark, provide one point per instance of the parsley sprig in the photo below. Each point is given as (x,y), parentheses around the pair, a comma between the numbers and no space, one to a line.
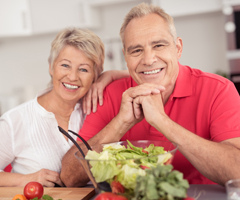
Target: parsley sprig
(161,182)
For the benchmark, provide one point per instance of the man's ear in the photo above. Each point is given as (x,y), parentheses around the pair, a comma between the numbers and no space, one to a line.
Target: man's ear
(124,54)
(179,45)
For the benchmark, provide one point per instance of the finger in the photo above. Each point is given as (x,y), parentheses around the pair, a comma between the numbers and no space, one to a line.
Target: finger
(47,183)
(94,99)
(54,177)
(89,102)
(142,90)
(84,104)
(161,88)
(100,97)
(60,183)
(137,108)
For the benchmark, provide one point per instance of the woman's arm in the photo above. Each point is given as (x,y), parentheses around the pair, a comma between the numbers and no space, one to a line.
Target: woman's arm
(95,93)
(46,177)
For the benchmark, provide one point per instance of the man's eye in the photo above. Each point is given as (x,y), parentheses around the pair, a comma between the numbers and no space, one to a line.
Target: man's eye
(158,45)
(136,52)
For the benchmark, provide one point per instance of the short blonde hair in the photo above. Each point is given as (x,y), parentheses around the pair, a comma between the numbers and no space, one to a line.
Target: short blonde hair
(142,10)
(84,40)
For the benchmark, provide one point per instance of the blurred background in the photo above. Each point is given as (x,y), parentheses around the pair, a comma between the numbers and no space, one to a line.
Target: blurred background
(210,30)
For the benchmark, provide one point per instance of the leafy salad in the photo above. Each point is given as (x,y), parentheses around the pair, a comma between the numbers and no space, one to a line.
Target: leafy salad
(117,163)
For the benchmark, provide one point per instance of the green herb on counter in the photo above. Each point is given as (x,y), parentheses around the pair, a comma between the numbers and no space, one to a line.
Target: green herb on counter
(47,197)
(161,182)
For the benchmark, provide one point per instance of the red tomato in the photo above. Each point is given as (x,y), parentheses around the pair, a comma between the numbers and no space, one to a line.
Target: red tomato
(32,190)
(144,151)
(117,187)
(109,196)
(144,167)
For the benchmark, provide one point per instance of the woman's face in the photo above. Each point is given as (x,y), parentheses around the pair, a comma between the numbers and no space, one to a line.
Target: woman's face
(72,74)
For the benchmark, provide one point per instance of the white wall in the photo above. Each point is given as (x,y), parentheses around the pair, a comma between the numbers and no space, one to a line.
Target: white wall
(204,41)
(24,67)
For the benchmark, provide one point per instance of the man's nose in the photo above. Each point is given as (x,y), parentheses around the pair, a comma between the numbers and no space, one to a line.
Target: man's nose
(149,57)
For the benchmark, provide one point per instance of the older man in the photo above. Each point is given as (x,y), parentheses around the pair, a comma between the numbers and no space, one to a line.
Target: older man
(164,100)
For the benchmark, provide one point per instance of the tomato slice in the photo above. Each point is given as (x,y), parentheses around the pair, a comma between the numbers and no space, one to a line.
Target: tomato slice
(144,167)
(144,151)
(117,187)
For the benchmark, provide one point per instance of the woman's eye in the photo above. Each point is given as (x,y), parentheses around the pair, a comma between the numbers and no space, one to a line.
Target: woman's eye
(65,65)
(83,70)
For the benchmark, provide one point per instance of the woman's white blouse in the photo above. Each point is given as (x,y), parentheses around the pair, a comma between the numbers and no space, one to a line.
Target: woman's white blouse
(30,139)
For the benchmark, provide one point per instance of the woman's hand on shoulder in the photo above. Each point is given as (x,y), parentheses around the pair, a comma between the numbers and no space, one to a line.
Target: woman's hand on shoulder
(93,97)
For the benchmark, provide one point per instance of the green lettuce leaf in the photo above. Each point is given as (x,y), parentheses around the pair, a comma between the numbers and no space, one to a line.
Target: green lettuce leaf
(108,170)
(128,174)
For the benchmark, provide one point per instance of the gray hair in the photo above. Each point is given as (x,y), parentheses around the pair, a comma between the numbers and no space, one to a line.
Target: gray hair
(142,10)
(84,40)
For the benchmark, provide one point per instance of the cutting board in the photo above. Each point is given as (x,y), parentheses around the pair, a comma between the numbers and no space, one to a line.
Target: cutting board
(7,193)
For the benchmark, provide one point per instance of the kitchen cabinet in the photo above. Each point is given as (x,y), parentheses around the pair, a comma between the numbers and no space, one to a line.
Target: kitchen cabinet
(14,19)
(29,17)
(177,8)
(110,2)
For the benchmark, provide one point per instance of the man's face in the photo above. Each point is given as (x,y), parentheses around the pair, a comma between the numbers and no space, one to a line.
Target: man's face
(150,51)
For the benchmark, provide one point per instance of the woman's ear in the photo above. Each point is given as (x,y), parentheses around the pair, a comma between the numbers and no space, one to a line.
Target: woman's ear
(50,69)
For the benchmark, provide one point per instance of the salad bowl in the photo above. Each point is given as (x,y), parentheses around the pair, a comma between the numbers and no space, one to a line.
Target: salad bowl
(120,163)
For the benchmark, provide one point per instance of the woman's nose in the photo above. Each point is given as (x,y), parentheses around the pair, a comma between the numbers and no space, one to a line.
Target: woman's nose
(72,75)
(149,57)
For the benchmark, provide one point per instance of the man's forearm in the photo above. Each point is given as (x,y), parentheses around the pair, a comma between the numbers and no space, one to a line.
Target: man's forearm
(112,132)
(72,173)
(217,161)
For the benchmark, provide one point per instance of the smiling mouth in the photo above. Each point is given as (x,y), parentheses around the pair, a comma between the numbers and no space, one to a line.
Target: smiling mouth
(153,71)
(71,87)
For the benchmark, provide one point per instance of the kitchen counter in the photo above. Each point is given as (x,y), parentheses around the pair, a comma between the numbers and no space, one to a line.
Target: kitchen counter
(207,192)
(7,193)
(200,192)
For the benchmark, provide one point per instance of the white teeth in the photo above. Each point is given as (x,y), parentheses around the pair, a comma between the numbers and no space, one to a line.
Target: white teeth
(152,72)
(70,86)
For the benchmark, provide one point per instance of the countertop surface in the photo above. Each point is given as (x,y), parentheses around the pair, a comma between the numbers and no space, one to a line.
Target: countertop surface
(207,192)
(199,192)
(7,193)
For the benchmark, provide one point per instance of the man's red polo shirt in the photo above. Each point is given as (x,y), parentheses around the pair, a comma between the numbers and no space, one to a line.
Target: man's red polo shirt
(206,104)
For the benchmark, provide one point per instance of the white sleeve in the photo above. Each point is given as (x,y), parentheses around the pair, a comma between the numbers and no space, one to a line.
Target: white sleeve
(6,144)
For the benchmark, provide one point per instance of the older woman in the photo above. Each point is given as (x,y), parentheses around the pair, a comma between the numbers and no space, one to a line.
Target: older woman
(30,139)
